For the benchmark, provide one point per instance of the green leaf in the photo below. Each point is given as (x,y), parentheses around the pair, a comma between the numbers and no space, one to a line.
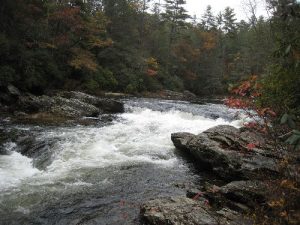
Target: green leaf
(297,132)
(292,140)
(288,50)
(284,118)
(291,123)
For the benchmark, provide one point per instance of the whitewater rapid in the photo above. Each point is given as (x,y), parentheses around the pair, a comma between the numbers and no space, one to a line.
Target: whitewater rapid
(140,136)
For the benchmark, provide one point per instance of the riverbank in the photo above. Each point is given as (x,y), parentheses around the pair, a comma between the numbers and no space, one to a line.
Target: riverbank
(254,186)
(56,107)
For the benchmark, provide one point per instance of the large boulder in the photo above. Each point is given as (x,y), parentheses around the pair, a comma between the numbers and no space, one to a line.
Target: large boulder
(57,106)
(231,153)
(68,105)
(104,104)
(185,211)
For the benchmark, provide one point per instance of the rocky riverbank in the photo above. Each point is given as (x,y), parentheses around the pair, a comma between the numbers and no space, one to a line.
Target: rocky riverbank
(56,107)
(247,168)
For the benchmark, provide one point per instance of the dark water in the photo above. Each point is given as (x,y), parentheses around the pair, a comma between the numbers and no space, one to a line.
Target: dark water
(101,174)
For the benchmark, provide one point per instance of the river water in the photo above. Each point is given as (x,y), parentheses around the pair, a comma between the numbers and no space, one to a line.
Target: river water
(100,174)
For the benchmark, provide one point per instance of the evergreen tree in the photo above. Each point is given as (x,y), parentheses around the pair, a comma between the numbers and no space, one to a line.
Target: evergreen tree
(208,21)
(229,21)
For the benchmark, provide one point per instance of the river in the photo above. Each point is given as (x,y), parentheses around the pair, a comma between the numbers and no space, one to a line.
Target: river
(100,174)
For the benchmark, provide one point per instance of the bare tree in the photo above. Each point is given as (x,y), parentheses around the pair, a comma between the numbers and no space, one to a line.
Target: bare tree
(250,9)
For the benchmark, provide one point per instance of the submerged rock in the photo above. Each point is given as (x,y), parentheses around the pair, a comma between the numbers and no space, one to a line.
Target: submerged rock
(224,150)
(185,211)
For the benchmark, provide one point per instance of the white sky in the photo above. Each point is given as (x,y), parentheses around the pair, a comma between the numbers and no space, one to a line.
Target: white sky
(198,7)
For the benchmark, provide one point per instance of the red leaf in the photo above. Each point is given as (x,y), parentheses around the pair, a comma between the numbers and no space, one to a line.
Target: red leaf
(251,146)
(197,196)
(151,72)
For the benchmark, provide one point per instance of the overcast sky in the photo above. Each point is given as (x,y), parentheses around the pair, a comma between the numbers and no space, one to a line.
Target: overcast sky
(197,7)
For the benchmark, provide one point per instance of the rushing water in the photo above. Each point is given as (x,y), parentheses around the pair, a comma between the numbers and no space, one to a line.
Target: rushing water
(101,174)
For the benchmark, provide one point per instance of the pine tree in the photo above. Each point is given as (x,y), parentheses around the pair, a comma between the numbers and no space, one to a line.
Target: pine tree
(229,21)
(208,20)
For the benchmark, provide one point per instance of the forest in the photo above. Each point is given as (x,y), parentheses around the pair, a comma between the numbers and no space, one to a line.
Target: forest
(134,46)
(87,135)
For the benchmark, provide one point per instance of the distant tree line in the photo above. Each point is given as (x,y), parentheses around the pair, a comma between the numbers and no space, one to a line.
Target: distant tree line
(139,45)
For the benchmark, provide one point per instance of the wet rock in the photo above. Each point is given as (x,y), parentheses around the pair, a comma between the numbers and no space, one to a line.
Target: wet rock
(181,140)
(116,95)
(110,106)
(224,150)
(40,150)
(8,96)
(246,192)
(66,105)
(185,211)
(185,96)
(3,139)
(191,193)
(12,90)
(241,196)
(212,100)
(189,95)
(104,104)
(57,106)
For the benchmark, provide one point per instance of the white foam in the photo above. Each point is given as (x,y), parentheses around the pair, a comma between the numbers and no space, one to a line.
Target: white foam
(14,168)
(142,135)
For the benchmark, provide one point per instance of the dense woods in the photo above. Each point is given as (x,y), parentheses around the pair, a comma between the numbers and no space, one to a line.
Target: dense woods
(139,45)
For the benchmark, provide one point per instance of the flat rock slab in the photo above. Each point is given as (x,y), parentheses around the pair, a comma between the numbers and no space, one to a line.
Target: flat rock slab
(185,211)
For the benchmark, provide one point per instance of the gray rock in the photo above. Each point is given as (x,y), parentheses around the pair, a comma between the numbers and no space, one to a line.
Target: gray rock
(241,196)
(223,149)
(186,95)
(57,106)
(67,105)
(3,139)
(246,192)
(104,104)
(12,90)
(40,150)
(189,95)
(185,211)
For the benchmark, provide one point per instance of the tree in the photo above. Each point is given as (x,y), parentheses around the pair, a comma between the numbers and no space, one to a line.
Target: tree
(229,21)
(208,21)
(175,17)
